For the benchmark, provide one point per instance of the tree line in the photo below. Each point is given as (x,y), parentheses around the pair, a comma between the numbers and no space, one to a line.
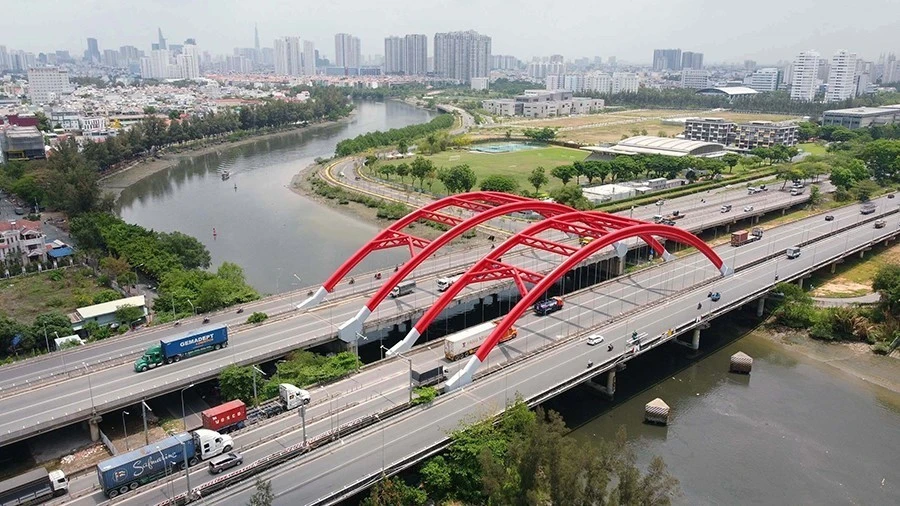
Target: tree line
(528,457)
(152,132)
(393,136)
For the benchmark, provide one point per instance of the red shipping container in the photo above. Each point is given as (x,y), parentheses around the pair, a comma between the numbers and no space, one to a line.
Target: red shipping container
(224,415)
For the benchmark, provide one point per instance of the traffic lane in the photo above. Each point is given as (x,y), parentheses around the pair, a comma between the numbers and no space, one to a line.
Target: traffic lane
(401,435)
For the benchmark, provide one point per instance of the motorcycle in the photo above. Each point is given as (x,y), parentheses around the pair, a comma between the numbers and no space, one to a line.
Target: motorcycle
(240,310)
(206,320)
(590,363)
(609,348)
(177,324)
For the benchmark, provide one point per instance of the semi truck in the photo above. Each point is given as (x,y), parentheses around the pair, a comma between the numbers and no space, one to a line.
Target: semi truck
(465,342)
(33,487)
(742,237)
(173,349)
(128,471)
(404,288)
(676,215)
(225,418)
(289,397)
(430,377)
(868,208)
(446,282)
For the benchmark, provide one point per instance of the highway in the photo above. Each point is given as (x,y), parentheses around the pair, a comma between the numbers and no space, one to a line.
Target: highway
(655,296)
(26,412)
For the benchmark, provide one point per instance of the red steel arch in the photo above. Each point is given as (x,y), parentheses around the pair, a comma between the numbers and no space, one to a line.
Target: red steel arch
(349,329)
(464,376)
(583,223)
(394,236)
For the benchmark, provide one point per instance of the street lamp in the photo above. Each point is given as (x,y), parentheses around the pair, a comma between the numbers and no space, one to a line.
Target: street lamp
(184,418)
(47,341)
(409,361)
(302,412)
(144,408)
(90,388)
(194,310)
(125,429)
(382,443)
(256,370)
(187,470)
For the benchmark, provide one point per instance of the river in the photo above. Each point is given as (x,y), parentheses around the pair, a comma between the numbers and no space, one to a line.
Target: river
(795,431)
(260,224)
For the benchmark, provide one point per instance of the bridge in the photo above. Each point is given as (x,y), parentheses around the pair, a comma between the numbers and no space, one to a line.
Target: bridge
(71,386)
(659,301)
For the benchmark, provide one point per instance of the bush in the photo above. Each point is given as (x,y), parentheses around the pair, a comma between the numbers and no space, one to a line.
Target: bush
(424,395)
(257,317)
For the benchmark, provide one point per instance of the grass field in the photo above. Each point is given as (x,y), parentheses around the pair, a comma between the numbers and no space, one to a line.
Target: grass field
(517,165)
(611,126)
(813,148)
(854,277)
(24,297)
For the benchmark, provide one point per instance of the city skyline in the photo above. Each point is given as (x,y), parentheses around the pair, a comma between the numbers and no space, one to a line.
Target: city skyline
(800,25)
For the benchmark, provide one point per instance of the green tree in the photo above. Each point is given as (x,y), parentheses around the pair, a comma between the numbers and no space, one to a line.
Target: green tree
(127,314)
(420,168)
(538,178)
(402,146)
(731,159)
(571,196)
(564,173)
(402,170)
(236,382)
(114,267)
(43,122)
(624,168)
(257,317)
(807,130)
(883,159)
(499,183)
(52,322)
(887,283)
(371,160)
(393,492)
(815,195)
(459,178)
(865,189)
(540,134)
(263,496)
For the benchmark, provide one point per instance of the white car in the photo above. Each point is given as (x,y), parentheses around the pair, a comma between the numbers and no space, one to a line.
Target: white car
(595,339)
(747,209)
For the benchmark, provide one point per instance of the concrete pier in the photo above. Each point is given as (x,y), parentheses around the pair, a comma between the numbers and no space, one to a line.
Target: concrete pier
(695,339)
(741,363)
(656,412)
(94,425)
(760,306)
(608,389)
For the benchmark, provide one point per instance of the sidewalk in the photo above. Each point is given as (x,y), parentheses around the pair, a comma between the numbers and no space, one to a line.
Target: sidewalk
(870,298)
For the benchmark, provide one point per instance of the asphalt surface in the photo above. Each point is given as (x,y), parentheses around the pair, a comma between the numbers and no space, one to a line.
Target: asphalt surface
(658,294)
(72,391)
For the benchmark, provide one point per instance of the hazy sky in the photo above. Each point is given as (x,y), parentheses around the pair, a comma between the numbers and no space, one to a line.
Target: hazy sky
(763,30)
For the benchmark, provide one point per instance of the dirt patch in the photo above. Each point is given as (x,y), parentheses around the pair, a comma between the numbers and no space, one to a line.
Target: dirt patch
(85,458)
(841,288)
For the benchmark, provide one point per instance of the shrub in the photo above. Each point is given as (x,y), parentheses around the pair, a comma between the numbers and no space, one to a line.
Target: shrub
(257,317)
(424,395)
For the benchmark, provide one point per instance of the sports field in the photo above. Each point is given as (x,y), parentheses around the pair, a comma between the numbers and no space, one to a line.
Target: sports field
(518,164)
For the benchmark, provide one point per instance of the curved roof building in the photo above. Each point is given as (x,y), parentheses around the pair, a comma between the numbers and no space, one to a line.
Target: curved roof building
(649,145)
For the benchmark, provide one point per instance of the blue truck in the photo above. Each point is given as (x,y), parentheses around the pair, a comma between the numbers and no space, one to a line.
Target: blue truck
(173,349)
(129,471)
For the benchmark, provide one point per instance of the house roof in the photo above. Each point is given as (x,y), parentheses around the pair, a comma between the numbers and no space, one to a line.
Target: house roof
(108,307)
(646,144)
(19,225)
(731,91)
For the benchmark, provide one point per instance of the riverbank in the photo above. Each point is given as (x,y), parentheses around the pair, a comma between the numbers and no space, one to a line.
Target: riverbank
(854,359)
(118,181)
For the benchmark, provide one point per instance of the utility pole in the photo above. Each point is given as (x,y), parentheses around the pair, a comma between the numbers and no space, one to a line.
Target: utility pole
(144,408)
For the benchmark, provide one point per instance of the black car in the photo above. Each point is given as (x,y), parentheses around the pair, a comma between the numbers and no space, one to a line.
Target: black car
(548,306)
(829,218)
(225,461)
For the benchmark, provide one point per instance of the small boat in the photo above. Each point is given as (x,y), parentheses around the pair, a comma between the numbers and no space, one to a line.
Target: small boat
(225,175)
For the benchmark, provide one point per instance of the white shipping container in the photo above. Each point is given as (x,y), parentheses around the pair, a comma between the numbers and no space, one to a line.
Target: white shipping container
(468,340)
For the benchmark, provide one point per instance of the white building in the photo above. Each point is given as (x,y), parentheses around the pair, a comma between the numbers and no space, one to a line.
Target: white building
(393,55)
(309,58)
(584,105)
(480,83)
(598,82)
(553,82)
(573,82)
(22,240)
(462,55)
(46,84)
(406,55)
(764,79)
(288,56)
(841,82)
(625,82)
(346,51)
(804,76)
(694,79)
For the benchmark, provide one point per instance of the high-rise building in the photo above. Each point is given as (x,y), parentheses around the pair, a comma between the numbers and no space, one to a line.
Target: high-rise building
(4,59)
(309,58)
(694,79)
(188,61)
(691,60)
(256,38)
(93,50)
(162,40)
(346,51)
(415,59)
(128,55)
(462,55)
(804,76)
(393,55)
(841,77)
(625,82)
(890,74)
(288,56)
(765,79)
(45,84)
(667,59)
(110,58)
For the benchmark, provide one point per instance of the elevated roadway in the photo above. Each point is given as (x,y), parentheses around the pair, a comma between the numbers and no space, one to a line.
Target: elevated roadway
(81,390)
(652,301)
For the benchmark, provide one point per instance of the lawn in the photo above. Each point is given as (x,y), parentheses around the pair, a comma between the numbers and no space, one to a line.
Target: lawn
(22,298)
(854,276)
(813,148)
(517,165)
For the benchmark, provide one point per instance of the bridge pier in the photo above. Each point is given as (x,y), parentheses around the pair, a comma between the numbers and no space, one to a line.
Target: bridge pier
(620,266)
(800,282)
(94,425)
(761,306)
(727,228)
(862,253)
(833,267)
(609,389)
(695,339)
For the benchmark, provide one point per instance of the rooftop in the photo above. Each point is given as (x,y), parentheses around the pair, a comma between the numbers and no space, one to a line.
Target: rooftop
(865,111)
(731,91)
(108,307)
(649,145)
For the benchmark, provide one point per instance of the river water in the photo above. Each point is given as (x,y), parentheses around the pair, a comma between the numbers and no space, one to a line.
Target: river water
(795,431)
(261,224)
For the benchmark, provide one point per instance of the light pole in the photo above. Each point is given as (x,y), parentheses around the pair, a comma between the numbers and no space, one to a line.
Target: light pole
(165,468)
(193,309)
(90,388)
(184,418)
(409,361)
(330,407)
(47,341)
(187,471)
(298,284)
(302,412)
(144,408)
(256,370)
(382,443)
(125,429)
